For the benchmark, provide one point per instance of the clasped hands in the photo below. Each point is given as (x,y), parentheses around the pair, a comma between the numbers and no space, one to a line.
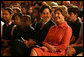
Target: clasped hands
(49,49)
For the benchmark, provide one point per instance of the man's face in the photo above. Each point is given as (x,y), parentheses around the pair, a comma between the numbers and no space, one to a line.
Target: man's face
(71,16)
(6,15)
(24,10)
(46,15)
(30,10)
(35,13)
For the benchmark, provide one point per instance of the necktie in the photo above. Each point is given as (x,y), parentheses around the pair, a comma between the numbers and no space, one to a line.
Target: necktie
(42,26)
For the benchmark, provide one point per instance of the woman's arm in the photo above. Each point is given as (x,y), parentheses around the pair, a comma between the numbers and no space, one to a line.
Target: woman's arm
(65,40)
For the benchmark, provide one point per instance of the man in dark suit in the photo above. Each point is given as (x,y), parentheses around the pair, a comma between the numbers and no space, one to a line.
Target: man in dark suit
(42,28)
(7,27)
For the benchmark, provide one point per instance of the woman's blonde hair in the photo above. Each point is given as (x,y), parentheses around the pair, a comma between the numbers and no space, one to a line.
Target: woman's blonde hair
(63,9)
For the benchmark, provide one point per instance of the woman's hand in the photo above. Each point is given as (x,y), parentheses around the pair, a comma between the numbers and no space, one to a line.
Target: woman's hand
(51,48)
(45,49)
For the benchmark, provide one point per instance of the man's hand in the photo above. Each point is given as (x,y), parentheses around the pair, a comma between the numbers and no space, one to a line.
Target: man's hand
(71,51)
(72,39)
(30,43)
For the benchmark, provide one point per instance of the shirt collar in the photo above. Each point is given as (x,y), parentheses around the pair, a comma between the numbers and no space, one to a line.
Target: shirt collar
(46,22)
(64,24)
(9,23)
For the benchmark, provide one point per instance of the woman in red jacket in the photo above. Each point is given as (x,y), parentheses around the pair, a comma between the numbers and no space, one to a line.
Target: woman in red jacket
(58,37)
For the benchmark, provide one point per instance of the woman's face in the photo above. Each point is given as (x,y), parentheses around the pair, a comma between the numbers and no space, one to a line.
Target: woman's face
(46,15)
(59,18)
(17,20)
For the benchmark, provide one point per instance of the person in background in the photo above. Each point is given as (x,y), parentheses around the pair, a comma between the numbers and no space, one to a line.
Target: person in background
(77,47)
(23,37)
(29,11)
(17,21)
(58,37)
(36,16)
(15,32)
(8,24)
(24,10)
(7,27)
(28,35)
(75,23)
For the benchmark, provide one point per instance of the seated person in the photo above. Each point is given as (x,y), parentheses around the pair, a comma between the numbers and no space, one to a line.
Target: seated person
(23,37)
(77,47)
(74,23)
(42,28)
(17,21)
(7,27)
(36,16)
(58,37)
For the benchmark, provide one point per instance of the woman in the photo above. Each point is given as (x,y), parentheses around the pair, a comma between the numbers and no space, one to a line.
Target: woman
(17,21)
(22,35)
(58,37)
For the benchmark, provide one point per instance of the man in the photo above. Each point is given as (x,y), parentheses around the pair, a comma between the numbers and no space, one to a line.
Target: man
(74,23)
(43,27)
(7,27)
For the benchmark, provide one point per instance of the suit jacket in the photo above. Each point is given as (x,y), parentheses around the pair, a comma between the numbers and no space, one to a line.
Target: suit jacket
(7,31)
(41,34)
